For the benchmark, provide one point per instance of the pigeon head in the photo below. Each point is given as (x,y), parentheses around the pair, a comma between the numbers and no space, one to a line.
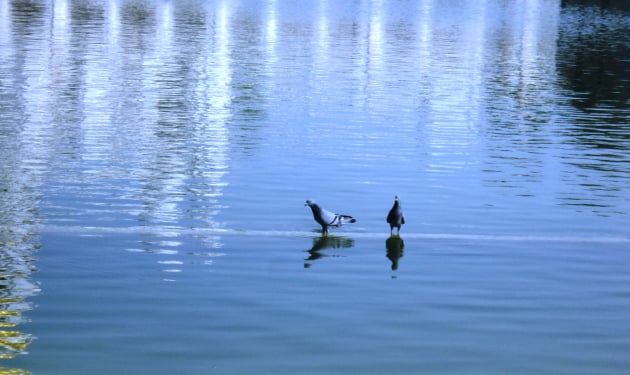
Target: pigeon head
(314,207)
(397,201)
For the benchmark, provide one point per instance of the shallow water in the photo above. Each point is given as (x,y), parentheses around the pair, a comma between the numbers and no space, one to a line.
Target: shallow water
(157,156)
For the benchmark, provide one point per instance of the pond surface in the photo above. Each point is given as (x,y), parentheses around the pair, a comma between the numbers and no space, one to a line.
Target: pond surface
(156,157)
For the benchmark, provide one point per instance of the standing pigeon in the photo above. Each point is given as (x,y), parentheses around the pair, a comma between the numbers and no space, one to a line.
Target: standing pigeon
(395,217)
(327,219)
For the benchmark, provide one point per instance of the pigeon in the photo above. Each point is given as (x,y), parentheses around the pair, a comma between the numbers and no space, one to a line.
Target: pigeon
(395,217)
(327,219)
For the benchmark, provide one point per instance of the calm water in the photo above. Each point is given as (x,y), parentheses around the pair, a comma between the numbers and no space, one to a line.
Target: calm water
(156,156)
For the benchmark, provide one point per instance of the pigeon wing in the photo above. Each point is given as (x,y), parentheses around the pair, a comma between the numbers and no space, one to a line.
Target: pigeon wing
(335,220)
(327,216)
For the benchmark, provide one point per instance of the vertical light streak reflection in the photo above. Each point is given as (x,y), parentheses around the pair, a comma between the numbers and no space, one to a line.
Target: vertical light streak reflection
(474,54)
(459,61)
(113,24)
(37,127)
(271,38)
(537,50)
(425,39)
(221,70)
(95,121)
(424,63)
(375,42)
(537,59)
(5,23)
(451,51)
(271,31)
(213,112)
(164,32)
(60,36)
(320,47)
(166,162)
(521,80)
(426,18)
(219,101)
(131,109)
(322,32)
(60,15)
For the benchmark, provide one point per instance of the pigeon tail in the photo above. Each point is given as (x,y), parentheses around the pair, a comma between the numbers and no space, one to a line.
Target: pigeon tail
(339,220)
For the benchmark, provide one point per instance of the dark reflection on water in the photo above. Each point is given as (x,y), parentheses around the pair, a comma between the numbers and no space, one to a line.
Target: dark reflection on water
(395,246)
(592,50)
(327,242)
(592,64)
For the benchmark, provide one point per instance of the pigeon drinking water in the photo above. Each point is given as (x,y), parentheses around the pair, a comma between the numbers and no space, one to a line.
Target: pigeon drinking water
(327,219)
(396,217)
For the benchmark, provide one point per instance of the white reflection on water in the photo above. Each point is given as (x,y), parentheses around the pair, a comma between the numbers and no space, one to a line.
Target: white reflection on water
(271,30)
(375,44)
(60,24)
(114,105)
(322,32)
(112,31)
(5,27)
(213,113)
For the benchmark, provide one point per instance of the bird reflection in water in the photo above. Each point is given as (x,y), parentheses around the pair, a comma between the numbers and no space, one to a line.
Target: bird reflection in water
(326,242)
(395,246)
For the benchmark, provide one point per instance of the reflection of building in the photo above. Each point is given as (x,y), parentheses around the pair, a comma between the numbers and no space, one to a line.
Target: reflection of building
(12,342)
(15,288)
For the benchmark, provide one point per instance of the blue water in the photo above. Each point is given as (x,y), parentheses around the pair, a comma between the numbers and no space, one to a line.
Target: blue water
(156,157)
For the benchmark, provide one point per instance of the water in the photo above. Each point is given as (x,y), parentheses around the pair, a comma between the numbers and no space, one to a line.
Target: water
(156,156)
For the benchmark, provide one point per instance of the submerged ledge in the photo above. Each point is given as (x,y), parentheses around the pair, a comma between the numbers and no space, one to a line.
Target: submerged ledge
(90,230)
